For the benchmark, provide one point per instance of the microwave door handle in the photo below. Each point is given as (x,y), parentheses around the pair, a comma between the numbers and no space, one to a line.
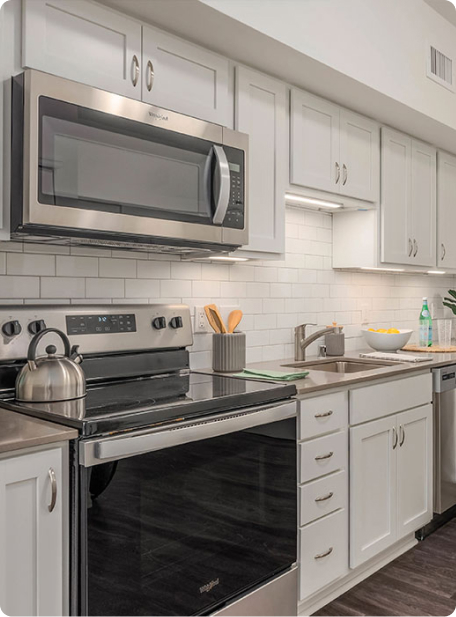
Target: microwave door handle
(222,199)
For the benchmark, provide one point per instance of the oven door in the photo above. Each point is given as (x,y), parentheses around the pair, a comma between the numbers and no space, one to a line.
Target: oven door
(186,520)
(96,161)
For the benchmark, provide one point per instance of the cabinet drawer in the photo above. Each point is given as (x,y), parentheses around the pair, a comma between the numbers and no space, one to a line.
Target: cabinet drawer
(323,414)
(323,455)
(323,552)
(323,496)
(384,399)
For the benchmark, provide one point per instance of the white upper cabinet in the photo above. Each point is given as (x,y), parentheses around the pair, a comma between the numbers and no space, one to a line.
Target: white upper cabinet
(359,156)
(32,567)
(183,77)
(408,207)
(85,42)
(333,149)
(314,142)
(446,210)
(261,112)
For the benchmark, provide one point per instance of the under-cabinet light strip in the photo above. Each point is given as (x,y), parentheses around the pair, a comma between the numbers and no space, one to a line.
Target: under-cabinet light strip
(319,203)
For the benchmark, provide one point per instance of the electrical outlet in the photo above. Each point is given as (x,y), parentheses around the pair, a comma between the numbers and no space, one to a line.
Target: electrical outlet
(201,323)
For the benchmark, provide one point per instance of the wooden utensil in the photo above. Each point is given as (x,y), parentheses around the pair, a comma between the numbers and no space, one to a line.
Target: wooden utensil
(234,319)
(217,318)
(208,309)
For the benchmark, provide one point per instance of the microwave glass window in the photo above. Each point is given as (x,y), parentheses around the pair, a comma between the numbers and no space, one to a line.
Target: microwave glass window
(98,161)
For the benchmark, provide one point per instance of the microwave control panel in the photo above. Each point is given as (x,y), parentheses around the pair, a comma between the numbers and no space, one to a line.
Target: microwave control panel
(235,215)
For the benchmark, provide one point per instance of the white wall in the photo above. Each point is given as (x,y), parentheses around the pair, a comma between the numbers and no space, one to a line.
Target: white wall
(380,43)
(275,297)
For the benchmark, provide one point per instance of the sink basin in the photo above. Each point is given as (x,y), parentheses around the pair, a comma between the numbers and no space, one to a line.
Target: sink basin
(340,366)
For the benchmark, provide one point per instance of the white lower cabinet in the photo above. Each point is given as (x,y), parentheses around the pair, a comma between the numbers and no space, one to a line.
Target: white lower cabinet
(390,481)
(323,552)
(32,566)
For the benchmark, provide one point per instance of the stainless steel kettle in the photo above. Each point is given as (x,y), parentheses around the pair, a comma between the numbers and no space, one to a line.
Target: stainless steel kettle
(51,378)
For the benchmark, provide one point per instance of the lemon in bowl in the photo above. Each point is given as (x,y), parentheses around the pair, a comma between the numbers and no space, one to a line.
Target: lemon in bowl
(386,339)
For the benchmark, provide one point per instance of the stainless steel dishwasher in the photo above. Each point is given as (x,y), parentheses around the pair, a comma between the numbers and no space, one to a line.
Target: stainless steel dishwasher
(444,438)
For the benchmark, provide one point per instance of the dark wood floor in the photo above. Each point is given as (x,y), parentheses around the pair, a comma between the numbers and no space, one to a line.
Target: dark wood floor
(420,582)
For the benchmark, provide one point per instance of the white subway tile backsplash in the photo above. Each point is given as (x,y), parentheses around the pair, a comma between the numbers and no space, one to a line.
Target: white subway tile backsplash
(30,265)
(275,296)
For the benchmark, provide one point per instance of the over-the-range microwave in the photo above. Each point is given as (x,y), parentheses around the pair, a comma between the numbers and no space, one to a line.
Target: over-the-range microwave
(92,167)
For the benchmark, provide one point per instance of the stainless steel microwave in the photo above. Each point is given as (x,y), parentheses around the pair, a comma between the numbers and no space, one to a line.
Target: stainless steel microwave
(92,167)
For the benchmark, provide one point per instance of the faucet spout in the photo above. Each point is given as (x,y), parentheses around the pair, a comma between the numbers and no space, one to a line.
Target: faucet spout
(302,342)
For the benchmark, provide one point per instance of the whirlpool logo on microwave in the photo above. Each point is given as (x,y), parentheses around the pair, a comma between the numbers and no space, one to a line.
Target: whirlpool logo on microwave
(156,116)
(209,586)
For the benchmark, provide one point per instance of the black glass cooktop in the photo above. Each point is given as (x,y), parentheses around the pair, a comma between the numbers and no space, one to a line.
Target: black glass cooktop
(155,400)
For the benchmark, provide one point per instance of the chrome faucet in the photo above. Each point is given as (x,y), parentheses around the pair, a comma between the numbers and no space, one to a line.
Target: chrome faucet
(301,342)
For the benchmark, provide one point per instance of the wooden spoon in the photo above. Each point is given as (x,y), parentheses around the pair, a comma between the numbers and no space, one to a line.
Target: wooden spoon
(234,319)
(208,309)
(216,317)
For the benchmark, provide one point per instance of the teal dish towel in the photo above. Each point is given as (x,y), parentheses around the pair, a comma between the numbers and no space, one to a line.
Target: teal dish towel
(272,375)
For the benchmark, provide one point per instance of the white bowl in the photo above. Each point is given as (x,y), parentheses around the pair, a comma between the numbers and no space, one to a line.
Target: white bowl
(382,341)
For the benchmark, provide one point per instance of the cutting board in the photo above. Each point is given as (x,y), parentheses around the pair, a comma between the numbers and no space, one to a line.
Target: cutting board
(433,349)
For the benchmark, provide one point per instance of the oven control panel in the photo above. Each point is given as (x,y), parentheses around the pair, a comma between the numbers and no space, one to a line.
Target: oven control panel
(100,324)
(95,328)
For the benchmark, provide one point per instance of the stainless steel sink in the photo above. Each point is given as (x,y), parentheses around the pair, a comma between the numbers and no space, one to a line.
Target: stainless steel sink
(340,365)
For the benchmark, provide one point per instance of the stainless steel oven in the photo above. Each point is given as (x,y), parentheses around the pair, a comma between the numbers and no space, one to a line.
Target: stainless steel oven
(92,167)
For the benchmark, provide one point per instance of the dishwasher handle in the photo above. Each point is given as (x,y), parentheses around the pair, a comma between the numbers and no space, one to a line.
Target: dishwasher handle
(98,451)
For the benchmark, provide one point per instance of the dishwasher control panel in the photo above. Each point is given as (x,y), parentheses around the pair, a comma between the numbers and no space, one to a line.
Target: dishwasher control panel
(444,378)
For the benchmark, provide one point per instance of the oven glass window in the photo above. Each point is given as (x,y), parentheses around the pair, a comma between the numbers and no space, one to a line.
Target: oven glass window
(183,530)
(98,161)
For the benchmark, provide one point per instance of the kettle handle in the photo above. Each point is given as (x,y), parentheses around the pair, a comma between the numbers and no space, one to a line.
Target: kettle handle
(31,355)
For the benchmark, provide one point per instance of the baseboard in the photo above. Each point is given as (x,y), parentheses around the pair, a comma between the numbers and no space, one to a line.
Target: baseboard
(331,592)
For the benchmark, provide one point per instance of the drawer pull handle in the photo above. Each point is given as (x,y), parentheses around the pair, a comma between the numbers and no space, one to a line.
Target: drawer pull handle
(325,554)
(324,414)
(322,457)
(53,480)
(328,496)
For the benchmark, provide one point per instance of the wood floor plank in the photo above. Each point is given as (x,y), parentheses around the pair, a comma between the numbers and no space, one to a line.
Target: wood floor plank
(420,582)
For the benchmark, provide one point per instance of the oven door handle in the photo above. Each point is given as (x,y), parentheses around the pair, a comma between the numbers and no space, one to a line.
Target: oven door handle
(94,452)
(222,199)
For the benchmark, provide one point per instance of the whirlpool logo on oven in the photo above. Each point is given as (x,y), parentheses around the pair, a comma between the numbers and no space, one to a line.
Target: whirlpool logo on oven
(156,116)
(209,586)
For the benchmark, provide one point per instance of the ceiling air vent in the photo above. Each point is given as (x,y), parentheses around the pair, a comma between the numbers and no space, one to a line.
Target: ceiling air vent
(440,68)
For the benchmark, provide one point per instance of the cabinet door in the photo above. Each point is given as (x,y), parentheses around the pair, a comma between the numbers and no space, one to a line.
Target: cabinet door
(359,156)
(414,470)
(314,142)
(85,42)
(372,489)
(446,210)
(423,187)
(261,112)
(396,206)
(183,77)
(31,537)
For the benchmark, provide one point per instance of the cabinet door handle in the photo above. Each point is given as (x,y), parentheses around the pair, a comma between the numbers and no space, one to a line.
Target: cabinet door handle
(322,457)
(345,170)
(415,244)
(150,75)
(135,70)
(443,252)
(325,497)
(395,438)
(337,172)
(410,243)
(324,414)
(402,433)
(325,554)
(53,480)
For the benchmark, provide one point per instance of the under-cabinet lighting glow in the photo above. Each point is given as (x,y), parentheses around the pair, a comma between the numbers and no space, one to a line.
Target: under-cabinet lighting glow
(383,269)
(226,258)
(436,272)
(318,203)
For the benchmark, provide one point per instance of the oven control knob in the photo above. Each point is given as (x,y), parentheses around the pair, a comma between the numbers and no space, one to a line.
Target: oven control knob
(159,323)
(36,326)
(176,322)
(11,328)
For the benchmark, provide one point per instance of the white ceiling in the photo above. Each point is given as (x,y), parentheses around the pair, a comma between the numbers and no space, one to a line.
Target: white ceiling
(445,8)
